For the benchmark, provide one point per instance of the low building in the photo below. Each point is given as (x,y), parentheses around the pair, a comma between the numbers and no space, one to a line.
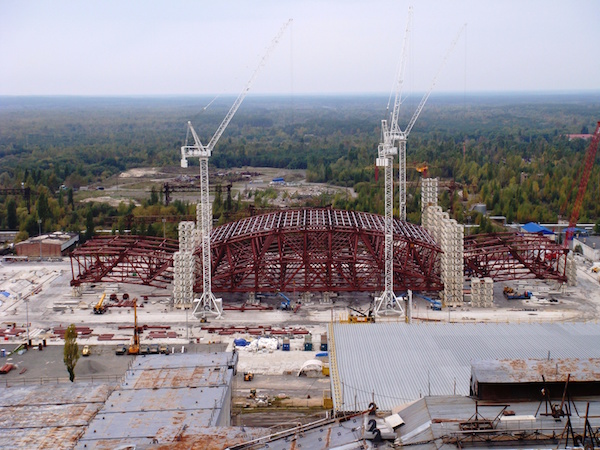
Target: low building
(525,379)
(391,363)
(590,246)
(166,399)
(48,245)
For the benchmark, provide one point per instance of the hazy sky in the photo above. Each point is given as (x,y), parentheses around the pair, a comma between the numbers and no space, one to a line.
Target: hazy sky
(133,47)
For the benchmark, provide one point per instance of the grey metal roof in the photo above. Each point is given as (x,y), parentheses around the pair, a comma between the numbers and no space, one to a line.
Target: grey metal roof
(394,363)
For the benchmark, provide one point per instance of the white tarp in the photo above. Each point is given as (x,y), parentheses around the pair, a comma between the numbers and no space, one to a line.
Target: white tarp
(262,343)
(311,367)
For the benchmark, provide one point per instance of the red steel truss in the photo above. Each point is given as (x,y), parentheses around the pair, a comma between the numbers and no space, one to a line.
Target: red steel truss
(514,256)
(124,259)
(315,250)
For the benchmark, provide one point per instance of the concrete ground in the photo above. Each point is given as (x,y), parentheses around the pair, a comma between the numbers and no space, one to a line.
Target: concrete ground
(44,288)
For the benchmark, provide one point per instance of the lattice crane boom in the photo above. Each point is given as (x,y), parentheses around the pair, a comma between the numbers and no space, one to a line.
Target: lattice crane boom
(394,127)
(208,302)
(585,176)
(402,136)
(433,83)
(198,150)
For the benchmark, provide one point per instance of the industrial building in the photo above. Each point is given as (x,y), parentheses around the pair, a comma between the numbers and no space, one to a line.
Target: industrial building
(50,245)
(446,422)
(178,398)
(394,363)
(163,398)
(590,247)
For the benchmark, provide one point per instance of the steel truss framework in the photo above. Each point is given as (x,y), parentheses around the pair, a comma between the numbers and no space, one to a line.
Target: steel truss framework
(310,250)
(514,256)
(124,259)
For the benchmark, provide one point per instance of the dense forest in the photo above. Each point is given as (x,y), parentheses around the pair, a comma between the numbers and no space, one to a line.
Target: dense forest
(510,152)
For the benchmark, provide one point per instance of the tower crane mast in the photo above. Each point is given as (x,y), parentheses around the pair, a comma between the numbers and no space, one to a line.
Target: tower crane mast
(393,141)
(208,302)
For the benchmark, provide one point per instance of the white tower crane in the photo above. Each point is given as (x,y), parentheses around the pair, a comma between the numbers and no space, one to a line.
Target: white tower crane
(394,142)
(207,303)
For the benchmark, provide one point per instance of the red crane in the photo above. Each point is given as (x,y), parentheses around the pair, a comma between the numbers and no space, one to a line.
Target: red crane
(585,176)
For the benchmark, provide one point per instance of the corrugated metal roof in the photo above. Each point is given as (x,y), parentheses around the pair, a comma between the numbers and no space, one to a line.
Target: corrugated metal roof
(394,363)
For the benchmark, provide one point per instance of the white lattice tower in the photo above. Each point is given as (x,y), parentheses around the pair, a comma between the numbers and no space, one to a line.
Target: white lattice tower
(388,302)
(450,237)
(402,176)
(184,265)
(452,243)
(571,270)
(207,303)
(476,292)
(487,293)
(429,192)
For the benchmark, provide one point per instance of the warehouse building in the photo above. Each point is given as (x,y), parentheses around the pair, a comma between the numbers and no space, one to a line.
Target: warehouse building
(51,245)
(395,363)
(165,399)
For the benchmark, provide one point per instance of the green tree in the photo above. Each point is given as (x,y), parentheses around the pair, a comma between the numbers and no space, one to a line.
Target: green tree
(42,206)
(70,198)
(153,196)
(71,351)
(89,224)
(11,214)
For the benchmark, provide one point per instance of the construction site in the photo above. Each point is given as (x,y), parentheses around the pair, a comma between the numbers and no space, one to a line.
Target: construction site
(312,328)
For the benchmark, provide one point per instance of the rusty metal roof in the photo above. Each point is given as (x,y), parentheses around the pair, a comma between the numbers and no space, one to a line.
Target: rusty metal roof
(165,399)
(531,370)
(48,416)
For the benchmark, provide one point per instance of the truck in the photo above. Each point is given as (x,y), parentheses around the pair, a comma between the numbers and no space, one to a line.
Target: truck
(134,347)
(436,305)
(517,296)
(100,307)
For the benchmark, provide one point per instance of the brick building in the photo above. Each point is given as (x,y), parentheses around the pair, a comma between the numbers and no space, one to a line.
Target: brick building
(49,245)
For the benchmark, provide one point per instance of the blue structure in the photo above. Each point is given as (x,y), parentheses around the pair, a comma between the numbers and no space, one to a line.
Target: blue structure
(533,227)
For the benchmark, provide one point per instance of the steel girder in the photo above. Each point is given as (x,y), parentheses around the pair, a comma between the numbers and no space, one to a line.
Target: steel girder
(124,259)
(316,250)
(514,256)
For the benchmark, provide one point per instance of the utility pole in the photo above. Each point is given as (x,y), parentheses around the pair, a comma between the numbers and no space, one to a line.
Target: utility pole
(40,236)
(27,318)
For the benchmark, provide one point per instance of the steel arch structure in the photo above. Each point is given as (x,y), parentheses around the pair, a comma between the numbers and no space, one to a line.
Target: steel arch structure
(142,260)
(311,250)
(514,256)
(316,250)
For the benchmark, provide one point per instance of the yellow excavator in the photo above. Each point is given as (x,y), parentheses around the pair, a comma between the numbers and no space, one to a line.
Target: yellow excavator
(100,308)
(134,347)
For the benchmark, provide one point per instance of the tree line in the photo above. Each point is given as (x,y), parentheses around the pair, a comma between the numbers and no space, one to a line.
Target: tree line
(511,153)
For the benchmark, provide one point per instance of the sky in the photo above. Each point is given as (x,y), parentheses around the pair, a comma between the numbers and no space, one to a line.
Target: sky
(212,47)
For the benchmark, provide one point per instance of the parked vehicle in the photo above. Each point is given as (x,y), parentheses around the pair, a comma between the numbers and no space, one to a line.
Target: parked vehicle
(121,350)
(85,351)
